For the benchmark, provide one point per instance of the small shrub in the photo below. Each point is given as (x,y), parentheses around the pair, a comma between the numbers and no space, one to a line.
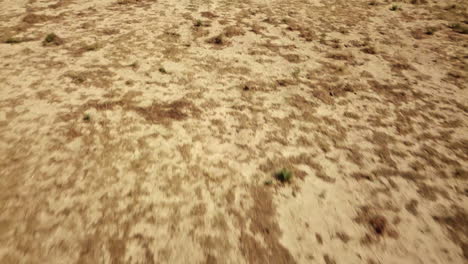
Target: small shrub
(284,175)
(217,40)
(162,70)
(52,40)
(394,8)
(134,65)
(49,38)
(430,30)
(87,117)
(198,23)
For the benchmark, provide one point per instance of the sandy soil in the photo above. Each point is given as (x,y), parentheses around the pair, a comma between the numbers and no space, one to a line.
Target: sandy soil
(144,131)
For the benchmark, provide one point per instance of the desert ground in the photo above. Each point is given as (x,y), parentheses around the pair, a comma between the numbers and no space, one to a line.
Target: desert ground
(233,131)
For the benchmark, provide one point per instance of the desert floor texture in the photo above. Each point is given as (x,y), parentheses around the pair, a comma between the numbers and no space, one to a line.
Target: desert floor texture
(150,131)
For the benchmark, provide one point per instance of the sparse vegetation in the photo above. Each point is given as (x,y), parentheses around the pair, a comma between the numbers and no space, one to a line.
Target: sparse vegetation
(394,8)
(87,117)
(49,38)
(252,128)
(162,70)
(284,175)
(296,73)
(13,41)
(134,65)
(198,23)
(52,40)
(218,40)
(459,28)
(430,30)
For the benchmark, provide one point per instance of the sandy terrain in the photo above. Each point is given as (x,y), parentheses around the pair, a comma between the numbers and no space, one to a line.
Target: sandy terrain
(150,131)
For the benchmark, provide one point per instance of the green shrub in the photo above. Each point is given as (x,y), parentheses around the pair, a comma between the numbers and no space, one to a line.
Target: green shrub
(284,175)
(394,8)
